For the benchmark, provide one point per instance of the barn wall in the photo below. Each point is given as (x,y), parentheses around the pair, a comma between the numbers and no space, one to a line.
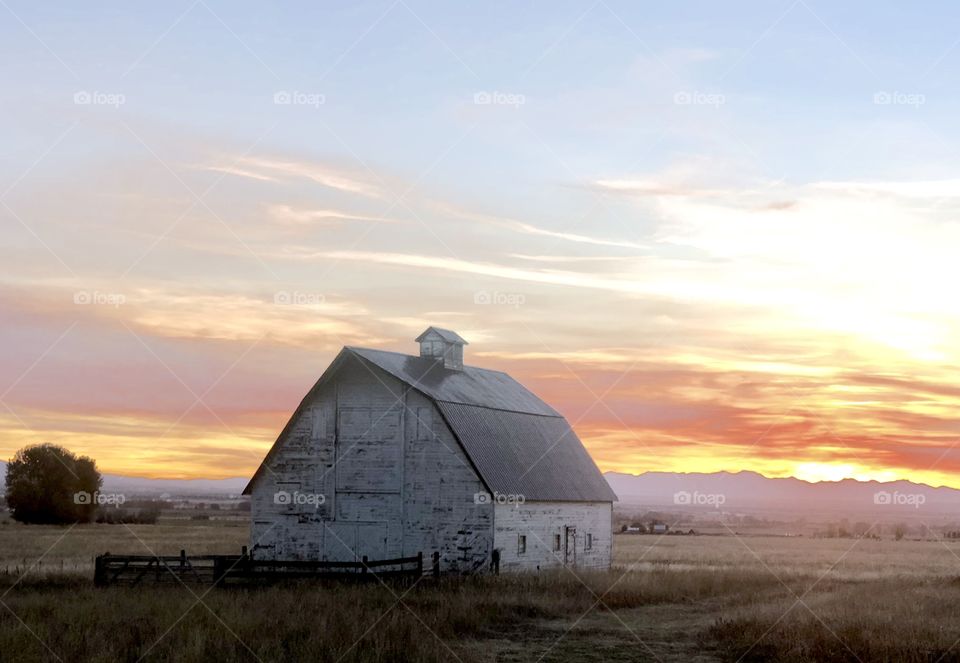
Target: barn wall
(370,468)
(541,522)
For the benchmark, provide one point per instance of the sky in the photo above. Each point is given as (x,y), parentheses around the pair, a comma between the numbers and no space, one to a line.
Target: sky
(715,236)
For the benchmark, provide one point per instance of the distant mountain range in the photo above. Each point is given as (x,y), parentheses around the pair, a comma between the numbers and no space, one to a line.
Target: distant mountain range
(726,491)
(718,491)
(115,483)
(133,486)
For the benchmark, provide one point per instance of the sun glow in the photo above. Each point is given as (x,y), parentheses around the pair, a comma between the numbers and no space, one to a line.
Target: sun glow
(815,472)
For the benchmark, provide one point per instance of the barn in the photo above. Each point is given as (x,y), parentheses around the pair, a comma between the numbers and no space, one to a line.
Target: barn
(389,455)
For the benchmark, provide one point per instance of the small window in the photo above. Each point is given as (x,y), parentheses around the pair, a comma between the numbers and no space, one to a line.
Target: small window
(521,544)
(556,542)
(589,544)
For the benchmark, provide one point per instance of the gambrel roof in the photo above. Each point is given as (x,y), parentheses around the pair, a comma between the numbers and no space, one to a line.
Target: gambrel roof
(470,386)
(518,444)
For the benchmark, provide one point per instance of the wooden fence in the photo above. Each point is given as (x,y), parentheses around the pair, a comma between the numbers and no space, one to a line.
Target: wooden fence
(133,570)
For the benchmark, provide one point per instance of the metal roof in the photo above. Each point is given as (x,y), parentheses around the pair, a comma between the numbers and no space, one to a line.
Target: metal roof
(445,334)
(518,444)
(536,456)
(469,385)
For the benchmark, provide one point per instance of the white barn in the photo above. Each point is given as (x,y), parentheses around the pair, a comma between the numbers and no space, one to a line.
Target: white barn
(389,455)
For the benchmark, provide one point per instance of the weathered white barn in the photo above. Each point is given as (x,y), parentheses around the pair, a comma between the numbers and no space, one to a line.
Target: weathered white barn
(389,455)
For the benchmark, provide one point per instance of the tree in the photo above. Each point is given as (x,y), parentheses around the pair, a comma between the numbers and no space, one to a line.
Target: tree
(48,484)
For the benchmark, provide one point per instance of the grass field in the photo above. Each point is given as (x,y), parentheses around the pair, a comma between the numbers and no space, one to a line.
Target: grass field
(668,599)
(72,550)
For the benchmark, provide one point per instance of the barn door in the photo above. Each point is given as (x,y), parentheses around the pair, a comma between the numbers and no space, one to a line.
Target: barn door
(570,546)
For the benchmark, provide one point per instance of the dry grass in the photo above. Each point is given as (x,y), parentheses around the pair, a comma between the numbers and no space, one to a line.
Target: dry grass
(827,599)
(848,559)
(880,620)
(72,550)
(521,617)
(686,598)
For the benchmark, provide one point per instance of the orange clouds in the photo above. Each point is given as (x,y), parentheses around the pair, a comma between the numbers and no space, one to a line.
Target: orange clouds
(679,326)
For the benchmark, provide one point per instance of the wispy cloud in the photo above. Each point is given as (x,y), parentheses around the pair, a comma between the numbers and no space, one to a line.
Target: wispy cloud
(656,188)
(526,228)
(455,265)
(274,169)
(301,216)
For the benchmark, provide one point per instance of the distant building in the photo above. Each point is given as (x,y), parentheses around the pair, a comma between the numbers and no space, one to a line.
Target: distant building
(389,455)
(659,528)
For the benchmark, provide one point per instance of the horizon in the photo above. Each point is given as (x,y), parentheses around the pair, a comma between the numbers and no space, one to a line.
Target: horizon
(714,238)
(605,472)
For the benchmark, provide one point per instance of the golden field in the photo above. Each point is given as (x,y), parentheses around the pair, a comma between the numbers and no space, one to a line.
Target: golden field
(673,598)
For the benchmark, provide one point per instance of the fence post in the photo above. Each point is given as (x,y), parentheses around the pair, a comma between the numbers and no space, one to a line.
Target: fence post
(436,564)
(243,552)
(100,572)
(183,560)
(364,569)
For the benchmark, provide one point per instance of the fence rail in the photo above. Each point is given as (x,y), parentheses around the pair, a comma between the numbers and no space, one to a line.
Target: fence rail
(132,570)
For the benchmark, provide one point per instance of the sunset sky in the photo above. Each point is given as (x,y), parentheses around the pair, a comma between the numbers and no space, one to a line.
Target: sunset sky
(716,236)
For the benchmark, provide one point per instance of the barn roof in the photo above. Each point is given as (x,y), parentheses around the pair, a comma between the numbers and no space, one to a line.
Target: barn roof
(539,457)
(518,444)
(445,334)
(471,385)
